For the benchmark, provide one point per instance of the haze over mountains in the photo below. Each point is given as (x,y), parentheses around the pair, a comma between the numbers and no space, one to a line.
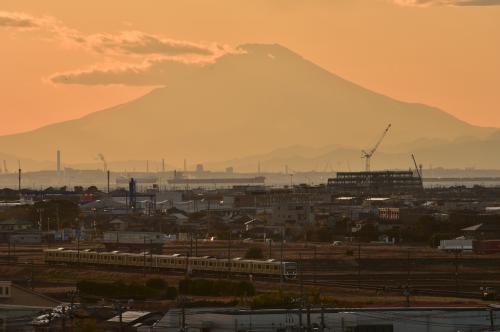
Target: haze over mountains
(265,98)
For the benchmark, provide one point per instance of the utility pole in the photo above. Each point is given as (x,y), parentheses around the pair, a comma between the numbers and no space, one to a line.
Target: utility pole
(314,266)
(408,291)
(196,244)
(183,314)
(301,301)
(408,268)
(151,253)
(144,258)
(308,308)
(456,272)
(58,219)
(492,320)
(120,314)
(281,253)
(229,255)
(270,240)
(359,265)
(63,320)
(190,243)
(108,178)
(78,248)
(32,278)
(322,327)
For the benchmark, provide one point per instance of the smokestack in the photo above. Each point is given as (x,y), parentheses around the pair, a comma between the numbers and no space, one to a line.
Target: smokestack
(108,173)
(185,165)
(5,169)
(19,182)
(163,165)
(147,166)
(58,162)
(100,156)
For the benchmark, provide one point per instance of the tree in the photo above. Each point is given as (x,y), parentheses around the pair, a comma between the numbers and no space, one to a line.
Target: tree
(156,283)
(342,227)
(369,232)
(59,209)
(254,253)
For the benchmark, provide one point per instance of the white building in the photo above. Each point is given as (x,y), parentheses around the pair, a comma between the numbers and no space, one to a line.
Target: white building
(353,320)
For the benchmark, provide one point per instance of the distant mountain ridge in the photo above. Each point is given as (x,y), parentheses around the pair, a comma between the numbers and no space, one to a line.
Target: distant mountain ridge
(261,99)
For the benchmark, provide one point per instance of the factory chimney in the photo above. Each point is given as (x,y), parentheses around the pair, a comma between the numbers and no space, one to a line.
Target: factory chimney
(58,162)
(19,182)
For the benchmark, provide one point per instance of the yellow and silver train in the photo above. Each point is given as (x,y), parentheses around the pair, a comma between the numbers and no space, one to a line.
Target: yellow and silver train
(268,267)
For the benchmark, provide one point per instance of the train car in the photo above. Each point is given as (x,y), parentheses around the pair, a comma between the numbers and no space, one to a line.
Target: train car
(177,262)
(486,246)
(455,245)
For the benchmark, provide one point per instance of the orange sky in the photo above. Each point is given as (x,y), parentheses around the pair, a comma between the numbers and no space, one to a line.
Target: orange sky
(442,55)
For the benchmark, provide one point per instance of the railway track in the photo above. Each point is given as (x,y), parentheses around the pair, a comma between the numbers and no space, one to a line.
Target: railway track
(442,287)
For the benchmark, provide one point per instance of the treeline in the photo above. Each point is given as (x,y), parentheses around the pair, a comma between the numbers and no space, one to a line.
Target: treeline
(205,287)
(158,288)
(151,289)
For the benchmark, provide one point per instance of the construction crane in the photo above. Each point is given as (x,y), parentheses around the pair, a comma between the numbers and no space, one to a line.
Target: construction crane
(419,173)
(368,155)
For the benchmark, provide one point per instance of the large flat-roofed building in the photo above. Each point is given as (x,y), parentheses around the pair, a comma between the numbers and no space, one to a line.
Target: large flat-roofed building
(376,182)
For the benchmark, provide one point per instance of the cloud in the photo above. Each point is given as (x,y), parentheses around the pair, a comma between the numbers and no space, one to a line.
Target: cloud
(19,20)
(164,60)
(128,43)
(158,72)
(426,3)
(140,43)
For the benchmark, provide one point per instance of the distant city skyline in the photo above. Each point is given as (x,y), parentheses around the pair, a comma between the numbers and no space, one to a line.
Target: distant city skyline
(442,53)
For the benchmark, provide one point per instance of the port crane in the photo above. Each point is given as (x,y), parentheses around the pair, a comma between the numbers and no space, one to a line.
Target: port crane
(368,155)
